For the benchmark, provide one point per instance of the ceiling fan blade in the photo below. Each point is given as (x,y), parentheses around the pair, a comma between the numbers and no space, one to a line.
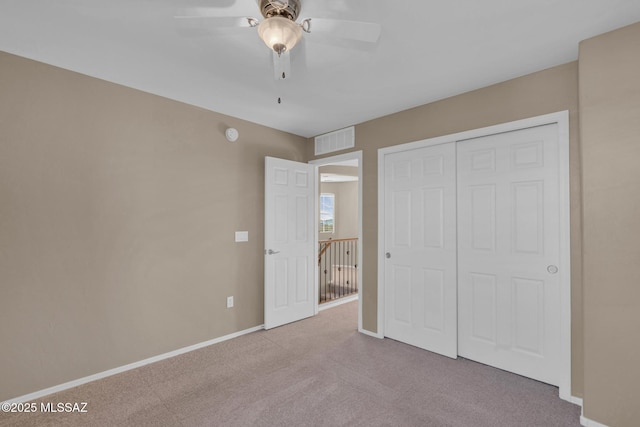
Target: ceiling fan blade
(282,65)
(367,32)
(220,3)
(296,58)
(299,57)
(199,25)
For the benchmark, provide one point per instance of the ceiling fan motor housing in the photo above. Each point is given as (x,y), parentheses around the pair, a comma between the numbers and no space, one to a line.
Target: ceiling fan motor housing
(289,9)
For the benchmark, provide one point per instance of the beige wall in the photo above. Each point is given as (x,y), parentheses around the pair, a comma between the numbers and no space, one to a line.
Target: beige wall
(346,202)
(547,91)
(346,205)
(610,138)
(348,210)
(117,218)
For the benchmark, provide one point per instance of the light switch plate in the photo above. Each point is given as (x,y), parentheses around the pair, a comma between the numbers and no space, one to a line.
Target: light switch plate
(242,236)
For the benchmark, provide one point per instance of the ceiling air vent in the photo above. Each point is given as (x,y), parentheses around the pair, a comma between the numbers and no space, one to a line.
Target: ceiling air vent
(336,141)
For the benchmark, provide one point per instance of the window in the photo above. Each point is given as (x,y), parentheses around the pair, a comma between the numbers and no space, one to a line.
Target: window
(327,213)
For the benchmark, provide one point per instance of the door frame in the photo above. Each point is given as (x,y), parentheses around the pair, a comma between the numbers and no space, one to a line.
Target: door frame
(560,118)
(353,155)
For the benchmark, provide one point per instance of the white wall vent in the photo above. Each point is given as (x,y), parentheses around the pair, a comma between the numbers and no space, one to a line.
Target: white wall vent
(336,140)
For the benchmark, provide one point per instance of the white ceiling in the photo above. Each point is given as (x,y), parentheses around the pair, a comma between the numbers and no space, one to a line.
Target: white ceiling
(427,51)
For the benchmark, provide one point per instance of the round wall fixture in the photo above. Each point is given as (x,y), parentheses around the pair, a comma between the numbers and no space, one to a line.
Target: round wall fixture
(231,134)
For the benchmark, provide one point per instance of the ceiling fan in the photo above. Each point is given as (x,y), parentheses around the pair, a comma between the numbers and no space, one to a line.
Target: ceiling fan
(279,29)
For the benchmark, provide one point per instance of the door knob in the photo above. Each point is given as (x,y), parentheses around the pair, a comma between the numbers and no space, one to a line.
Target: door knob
(387,255)
(552,269)
(272,252)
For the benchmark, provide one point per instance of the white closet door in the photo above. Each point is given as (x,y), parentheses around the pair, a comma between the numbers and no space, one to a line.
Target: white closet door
(420,242)
(508,252)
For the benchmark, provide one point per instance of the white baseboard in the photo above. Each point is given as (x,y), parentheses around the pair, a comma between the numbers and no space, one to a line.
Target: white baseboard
(576,400)
(337,302)
(100,375)
(586,422)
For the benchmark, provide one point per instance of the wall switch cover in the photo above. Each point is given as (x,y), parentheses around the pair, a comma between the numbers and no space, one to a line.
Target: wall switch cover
(242,236)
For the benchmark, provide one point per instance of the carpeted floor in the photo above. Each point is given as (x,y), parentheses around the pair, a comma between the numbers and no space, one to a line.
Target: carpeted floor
(317,372)
(329,297)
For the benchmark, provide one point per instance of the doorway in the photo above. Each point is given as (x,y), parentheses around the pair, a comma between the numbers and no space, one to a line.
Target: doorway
(339,274)
(502,307)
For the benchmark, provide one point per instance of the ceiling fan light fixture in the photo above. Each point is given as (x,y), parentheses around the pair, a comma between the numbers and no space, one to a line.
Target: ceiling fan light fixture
(280,34)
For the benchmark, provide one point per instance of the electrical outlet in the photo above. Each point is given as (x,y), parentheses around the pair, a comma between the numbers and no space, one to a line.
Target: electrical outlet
(229,302)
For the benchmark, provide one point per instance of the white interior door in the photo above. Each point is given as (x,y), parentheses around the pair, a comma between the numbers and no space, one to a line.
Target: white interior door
(508,252)
(289,260)
(420,241)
